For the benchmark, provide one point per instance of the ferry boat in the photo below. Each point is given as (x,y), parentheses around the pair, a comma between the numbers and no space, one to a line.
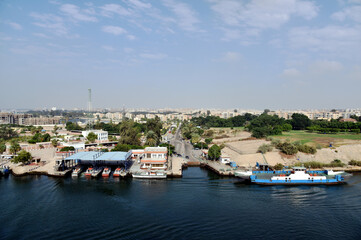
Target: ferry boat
(150,174)
(298,176)
(76,172)
(106,172)
(117,172)
(89,172)
(96,172)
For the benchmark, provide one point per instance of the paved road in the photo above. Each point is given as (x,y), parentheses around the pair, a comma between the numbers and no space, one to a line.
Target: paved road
(183,147)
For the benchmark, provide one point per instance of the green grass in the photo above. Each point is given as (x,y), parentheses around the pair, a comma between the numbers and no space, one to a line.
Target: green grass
(317,138)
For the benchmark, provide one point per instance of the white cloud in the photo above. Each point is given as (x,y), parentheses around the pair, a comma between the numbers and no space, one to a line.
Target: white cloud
(131,37)
(330,38)
(110,9)
(231,57)
(108,48)
(154,56)
(128,50)
(42,35)
(139,4)
(15,25)
(353,13)
(290,73)
(256,15)
(186,17)
(77,14)
(114,30)
(262,13)
(51,22)
(325,66)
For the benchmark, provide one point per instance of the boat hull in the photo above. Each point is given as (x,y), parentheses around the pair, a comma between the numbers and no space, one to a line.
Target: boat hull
(149,177)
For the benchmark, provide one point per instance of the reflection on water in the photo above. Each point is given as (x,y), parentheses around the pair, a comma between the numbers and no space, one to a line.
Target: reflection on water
(200,205)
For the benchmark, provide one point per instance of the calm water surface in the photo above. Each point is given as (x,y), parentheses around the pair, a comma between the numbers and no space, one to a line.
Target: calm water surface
(198,206)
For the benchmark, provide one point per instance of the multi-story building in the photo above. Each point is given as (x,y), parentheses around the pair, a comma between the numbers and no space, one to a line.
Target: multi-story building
(154,158)
(101,135)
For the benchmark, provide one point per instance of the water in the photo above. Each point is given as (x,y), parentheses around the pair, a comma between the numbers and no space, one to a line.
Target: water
(198,206)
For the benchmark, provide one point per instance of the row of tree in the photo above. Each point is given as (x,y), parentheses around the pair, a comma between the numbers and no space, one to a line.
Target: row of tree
(213,121)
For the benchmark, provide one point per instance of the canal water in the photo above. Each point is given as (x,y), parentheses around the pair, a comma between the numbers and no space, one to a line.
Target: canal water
(200,205)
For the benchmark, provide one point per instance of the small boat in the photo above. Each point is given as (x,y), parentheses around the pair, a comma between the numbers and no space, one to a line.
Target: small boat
(76,172)
(106,172)
(4,170)
(117,172)
(243,174)
(298,176)
(96,172)
(150,174)
(89,172)
(123,173)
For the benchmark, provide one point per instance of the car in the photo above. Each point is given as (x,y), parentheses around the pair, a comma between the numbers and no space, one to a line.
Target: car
(187,157)
(196,149)
(179,155)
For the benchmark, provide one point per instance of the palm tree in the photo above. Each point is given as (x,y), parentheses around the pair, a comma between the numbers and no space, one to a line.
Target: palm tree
(152,138)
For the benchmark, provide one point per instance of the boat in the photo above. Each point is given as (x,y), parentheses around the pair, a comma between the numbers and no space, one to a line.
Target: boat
(123,173)
(298,176)
(117,172)
(243,174)
(150,174)
(89,172)
(76,172)
(106,172)
(4,170)
(96,172)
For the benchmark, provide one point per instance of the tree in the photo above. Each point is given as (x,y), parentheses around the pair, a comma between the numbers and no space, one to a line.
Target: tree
(129,134)
(6,132)
(195,138)
(152,139)
(2,147)
(14,147)
(265,148)
(92,137)
(208,140)
(54,142)
(55,130)
(214,152)
(22,157)
(300,121)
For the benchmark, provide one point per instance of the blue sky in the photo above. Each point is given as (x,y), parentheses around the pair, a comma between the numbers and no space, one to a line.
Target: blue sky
(170,53)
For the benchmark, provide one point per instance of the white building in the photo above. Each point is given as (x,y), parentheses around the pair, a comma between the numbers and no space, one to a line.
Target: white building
(101,135)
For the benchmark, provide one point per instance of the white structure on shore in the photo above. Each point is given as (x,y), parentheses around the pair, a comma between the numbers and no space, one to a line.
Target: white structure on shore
(154,158)
(101,135)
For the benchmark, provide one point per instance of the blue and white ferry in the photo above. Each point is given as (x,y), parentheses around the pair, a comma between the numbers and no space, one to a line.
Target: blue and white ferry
(298,176)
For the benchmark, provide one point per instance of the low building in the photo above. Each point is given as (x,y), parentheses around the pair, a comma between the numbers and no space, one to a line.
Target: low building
(155,158)
(101,135)
(348,120)
(137,154)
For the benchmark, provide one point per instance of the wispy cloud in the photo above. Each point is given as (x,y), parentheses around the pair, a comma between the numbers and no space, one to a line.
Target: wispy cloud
(186,16)
(15,25)
(51,22)
(258,15)
(353,12)
(109,10)
(230,57)
(115,30)
(108,48)
(154,56)
(77,14)
(139,4)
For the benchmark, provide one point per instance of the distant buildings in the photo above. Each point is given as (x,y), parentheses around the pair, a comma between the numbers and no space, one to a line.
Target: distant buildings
(27,119)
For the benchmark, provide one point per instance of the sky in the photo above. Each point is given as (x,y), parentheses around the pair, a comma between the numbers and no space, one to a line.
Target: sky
(246,54)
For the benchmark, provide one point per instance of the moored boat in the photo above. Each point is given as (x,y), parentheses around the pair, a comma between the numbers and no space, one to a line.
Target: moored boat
(243,174)
(117,172)
(106,172)
(150,174)
(76,172)
(89,172)
(298,176)
(96,172)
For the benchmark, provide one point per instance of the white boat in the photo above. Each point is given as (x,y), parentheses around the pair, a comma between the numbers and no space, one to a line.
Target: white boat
(106,172)
(243,174)
(97,171)
(76,172)
(117,172)
(89,172)
(150,174)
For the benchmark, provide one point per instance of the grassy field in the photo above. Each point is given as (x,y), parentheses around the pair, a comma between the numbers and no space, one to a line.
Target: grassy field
(323,140)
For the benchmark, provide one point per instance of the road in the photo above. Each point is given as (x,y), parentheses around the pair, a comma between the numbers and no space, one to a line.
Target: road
(184,147)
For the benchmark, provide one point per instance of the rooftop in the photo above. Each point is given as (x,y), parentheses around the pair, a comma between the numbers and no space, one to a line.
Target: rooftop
(102,156)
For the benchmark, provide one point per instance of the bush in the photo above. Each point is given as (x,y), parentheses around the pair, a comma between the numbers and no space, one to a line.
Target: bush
(288,148)
(275,142)
(354,163)
(22,157)
(265,148)
(208,140)
(67,149)
(314,164)
(307,149)
(278,166)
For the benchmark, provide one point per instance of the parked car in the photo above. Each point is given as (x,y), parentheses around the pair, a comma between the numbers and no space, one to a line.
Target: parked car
(187,157)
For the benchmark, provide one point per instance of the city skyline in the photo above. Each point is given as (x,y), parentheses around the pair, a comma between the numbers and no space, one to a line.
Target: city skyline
(181,54)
